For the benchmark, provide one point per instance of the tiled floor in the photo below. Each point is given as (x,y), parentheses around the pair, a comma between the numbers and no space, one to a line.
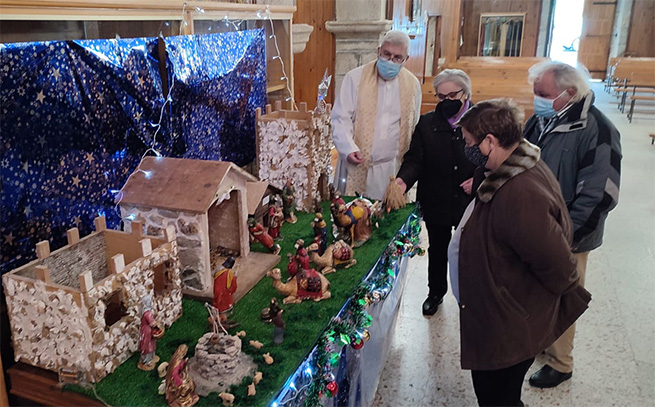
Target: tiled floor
(615,342)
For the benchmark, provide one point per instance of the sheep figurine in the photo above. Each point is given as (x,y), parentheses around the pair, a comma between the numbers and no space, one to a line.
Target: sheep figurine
(228,398)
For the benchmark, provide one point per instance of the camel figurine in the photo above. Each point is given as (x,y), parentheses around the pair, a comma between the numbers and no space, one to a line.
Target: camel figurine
(337,254)
(307,284)
(354,219)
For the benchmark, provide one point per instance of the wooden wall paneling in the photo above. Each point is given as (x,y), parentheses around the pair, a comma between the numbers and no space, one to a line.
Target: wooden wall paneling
(319,53)
(642,29)
(473,8)
(18,31)
(416,61)
(597,25)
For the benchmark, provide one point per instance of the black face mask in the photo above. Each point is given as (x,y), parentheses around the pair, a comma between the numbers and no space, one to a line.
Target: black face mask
(449,107)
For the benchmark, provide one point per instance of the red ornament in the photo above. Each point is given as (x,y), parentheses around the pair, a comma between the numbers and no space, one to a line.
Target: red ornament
(357,344)
(333,388)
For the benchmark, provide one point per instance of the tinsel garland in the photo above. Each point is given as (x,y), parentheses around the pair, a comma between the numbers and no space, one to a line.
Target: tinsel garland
(351,328)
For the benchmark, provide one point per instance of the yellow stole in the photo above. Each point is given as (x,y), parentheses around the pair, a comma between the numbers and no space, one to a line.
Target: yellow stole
(365,115)
(230,276)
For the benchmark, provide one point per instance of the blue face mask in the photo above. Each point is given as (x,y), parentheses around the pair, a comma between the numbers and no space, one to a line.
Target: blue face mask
(387,69)
(544,107)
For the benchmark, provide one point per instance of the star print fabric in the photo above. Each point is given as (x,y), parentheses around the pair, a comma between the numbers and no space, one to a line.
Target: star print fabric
(76,117)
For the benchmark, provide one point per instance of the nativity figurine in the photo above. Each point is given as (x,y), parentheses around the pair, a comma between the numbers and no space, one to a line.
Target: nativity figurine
(180,388)
(225,285)
(353,220)
(258,233)
(149,332)
(320,233)
(275,218)
(289,202)
(307,284)
(339,254)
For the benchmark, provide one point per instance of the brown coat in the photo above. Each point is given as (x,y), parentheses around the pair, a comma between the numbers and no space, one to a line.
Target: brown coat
(518,282)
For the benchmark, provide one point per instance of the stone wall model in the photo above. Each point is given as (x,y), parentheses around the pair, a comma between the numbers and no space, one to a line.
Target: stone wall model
(189,234)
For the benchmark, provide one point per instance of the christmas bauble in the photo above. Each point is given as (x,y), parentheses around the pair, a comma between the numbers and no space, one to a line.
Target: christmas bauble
(365,335)
(333,388)
(357,344)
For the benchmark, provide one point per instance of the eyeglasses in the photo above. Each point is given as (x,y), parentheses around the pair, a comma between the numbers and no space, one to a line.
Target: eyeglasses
(396,59)
(451,95)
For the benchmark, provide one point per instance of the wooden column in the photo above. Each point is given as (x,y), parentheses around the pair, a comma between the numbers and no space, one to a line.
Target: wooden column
(452,26)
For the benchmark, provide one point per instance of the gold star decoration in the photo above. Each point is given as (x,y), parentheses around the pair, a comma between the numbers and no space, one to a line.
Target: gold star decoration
(40,96)
(137,116)
(56,73)
(76,181)
(9,238)
(141,81)
(101,97)
(89,157)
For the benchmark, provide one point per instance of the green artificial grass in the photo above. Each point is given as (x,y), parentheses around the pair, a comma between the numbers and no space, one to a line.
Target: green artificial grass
(129,386)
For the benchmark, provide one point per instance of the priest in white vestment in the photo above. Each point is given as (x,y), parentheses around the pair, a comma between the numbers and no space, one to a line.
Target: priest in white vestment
(373,118)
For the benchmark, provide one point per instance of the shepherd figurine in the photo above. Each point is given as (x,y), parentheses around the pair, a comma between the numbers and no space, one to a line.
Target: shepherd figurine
(225,285)
(289,202)
(149,332)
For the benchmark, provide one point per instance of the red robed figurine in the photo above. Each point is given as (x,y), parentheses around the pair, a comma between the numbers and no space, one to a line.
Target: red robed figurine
(225,285)
(258,232)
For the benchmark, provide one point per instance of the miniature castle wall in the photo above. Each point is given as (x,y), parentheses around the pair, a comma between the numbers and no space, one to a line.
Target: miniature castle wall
(62,325)
(296,145)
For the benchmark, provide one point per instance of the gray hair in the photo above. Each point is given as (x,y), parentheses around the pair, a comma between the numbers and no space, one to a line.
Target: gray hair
(565,77)
(395,37)
(456,76)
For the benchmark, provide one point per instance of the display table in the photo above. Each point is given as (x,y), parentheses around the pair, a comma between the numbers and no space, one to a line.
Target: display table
(300,370)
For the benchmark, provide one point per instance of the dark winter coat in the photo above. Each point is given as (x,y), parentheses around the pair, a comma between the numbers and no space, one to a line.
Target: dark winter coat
(436,160)
(583,149)
(519,287)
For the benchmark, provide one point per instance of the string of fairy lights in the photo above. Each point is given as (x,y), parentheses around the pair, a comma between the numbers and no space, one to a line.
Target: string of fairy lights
(350,327)
(263,14)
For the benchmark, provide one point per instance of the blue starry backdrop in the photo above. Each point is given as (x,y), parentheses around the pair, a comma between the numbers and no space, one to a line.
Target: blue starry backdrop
(77,116)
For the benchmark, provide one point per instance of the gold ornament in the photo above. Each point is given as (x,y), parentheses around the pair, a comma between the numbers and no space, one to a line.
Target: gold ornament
(365,335)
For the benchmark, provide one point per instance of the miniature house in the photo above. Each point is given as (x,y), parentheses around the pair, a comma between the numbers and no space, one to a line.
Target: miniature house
(208,202)
(78,309)
(296,145)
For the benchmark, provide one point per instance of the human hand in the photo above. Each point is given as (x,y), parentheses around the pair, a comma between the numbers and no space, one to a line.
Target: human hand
(401,184)
(355,158)
(467,185)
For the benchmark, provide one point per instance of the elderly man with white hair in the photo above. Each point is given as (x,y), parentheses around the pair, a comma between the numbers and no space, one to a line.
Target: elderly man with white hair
(373,118)
(583,149)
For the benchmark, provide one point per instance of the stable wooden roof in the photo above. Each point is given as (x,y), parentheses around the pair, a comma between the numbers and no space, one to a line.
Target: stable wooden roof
(178,184)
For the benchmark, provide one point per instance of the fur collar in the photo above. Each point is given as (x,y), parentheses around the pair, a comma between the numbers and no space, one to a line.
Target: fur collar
(524,157)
